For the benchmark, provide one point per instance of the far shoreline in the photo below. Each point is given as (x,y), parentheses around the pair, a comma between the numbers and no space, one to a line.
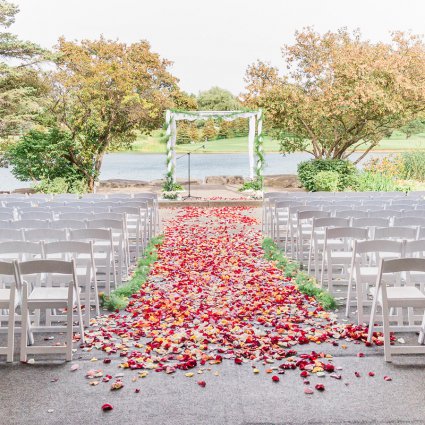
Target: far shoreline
(390,151)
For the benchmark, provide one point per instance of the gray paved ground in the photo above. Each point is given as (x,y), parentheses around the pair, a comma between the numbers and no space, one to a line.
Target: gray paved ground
(52,394)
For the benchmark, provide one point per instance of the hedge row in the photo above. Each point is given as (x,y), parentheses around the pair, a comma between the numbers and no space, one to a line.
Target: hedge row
(119,297)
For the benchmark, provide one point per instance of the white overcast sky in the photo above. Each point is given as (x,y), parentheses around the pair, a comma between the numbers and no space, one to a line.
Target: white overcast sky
(211,42)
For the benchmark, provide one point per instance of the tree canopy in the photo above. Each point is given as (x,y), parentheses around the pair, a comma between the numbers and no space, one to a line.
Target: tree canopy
(339,92)
(105,92)
(217,99)
(23,88)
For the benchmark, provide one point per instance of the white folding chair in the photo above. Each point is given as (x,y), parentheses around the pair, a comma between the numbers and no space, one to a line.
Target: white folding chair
(119,239)
(397,297)
(37,295)
(318,239)
(9,301)
(337,251)
(103,248)
(83,256)
(136,225)
(304,230)
(364,269)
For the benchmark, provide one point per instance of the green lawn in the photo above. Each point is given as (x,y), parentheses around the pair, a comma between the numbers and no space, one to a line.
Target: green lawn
(154,144)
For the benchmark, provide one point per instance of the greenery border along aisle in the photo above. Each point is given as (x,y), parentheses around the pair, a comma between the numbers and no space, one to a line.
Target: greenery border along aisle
(119,297)
(305,283)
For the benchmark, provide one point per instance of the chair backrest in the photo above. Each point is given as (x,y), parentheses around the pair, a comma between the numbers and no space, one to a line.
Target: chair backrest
(120,196)
(18,204)
(7,268)
(30,224)
(6,224)
(68,224)
(415,247)
(90,234)
(387,213)
(47,235)
(379,245)
(36,215)
(352,214)
(46,266)
(20,249)
(6,215)
(11,235)
(105,224)
(409,220)
(331,222)
(396,233)
(356,233)
(126,210)
(371,222)
(67,247)
(309,214)
(83,204)
(76,216)
(402,265)
(108,216)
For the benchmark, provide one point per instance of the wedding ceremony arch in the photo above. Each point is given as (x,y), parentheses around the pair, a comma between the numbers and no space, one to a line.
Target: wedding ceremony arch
(255,138)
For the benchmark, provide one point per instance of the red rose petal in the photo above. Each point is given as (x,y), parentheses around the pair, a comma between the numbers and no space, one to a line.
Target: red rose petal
(107,407)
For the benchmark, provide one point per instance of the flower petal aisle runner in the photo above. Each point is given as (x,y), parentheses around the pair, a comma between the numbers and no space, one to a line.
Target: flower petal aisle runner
(212,297)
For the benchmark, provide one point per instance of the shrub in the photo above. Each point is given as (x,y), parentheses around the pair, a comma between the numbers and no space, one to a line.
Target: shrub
(307,170)
(326,181)
(367,181)
(61,185)
(390,165)
(413,165)
(40,155)
(256,184)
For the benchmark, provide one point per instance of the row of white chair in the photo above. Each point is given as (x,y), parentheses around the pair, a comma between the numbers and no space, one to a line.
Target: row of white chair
(31,287)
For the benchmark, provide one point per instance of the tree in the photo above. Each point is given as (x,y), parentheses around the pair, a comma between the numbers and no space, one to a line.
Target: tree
(217,99)
(106,91)
(183,133)
(23,89)
(209,131)
(413,127)
(43,155)
(340,92)
(194,132)
(225,130)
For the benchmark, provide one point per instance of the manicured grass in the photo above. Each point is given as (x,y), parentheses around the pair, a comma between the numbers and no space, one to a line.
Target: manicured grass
(119,297)
(156,144)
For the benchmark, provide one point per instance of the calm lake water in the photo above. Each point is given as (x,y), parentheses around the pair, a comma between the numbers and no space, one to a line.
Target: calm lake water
(147,167)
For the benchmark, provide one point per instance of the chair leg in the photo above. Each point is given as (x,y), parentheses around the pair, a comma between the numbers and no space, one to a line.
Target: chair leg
(24,324)
(371,319)
(11,334)
(422,332)
(386,331)
(350,284)
(69,331)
